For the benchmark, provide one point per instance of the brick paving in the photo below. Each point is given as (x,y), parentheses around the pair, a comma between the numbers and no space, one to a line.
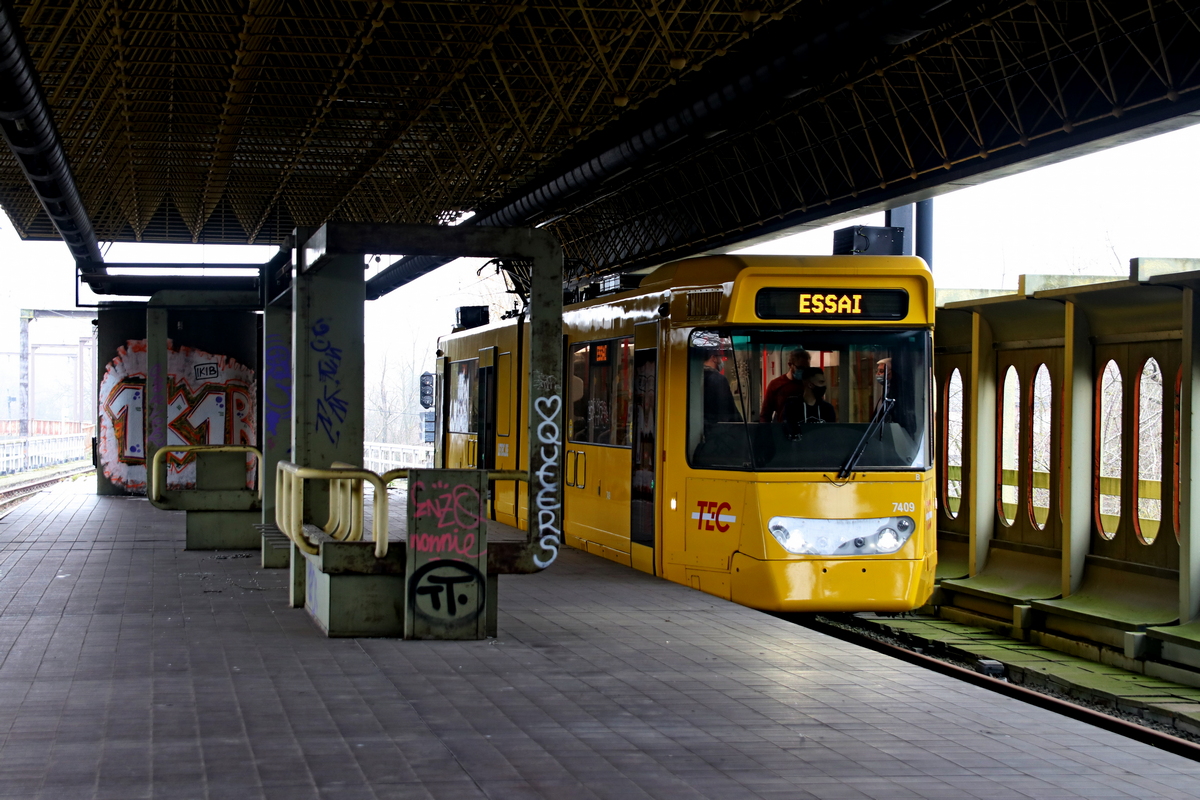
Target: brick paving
(133,669)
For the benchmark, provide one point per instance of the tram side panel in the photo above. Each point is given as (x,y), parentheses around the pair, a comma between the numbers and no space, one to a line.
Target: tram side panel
(601,415)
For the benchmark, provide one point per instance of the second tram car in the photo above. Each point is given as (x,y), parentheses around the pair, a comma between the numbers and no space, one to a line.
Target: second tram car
(756,427)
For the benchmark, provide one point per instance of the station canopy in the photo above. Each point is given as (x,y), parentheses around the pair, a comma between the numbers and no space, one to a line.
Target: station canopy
(636,129)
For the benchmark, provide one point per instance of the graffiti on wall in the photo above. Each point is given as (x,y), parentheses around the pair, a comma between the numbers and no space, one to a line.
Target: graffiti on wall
(277,389)
(446,559)
(210,400)
(549,437)
(332,408)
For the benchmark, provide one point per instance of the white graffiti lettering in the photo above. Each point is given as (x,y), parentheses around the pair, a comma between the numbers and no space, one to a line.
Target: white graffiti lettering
(544,383)
(548,505)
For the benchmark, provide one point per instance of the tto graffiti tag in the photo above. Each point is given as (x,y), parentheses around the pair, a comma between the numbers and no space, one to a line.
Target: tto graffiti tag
(447,555)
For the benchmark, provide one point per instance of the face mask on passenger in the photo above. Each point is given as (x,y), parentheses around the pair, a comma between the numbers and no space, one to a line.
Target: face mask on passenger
(818,392)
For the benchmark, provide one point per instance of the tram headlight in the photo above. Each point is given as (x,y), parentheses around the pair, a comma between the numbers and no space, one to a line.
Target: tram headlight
(841,537)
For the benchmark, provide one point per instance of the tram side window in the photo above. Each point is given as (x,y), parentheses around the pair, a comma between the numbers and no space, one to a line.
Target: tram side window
(464,396)
(601,392)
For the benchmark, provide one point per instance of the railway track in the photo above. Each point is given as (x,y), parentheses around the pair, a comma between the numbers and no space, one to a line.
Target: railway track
(15,494)
(848,632)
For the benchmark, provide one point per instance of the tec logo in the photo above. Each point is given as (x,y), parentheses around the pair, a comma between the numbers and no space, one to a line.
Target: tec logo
(712,516)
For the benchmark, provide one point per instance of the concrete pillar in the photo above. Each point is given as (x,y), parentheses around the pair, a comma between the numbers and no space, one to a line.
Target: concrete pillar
(1189,450)
(1078,462)
(981,513)
(157,370)
(275,400)
(546,427)
(327,369)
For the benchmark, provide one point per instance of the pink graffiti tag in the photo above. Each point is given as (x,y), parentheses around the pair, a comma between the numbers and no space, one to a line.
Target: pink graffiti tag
(458,507)
(445,543)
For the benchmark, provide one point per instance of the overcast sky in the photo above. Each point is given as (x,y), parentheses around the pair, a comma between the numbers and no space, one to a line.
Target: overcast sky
(1089,215)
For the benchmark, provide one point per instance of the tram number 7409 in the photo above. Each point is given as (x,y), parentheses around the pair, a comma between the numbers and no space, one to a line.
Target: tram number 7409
(909,507)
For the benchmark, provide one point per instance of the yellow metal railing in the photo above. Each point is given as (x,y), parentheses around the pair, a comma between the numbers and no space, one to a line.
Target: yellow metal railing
(158,469)
(346,501)
(346,513)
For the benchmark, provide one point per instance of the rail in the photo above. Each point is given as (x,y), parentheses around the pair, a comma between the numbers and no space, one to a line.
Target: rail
(158,474)
(493,475)
(37,452)
(345,504)
(47,427)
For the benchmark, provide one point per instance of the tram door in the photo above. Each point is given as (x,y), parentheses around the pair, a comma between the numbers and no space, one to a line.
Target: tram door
(644,479)
(485,435)
(485,443)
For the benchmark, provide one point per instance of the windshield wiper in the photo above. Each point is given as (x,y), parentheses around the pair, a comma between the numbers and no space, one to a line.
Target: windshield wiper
(881,411)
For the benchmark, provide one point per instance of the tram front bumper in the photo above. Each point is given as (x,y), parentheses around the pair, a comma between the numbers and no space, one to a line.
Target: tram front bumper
(827,584)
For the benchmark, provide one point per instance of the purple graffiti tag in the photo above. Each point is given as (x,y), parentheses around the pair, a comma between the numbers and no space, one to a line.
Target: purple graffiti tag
(156,390)
(330,362)
(331,408)
(331,413)
(278,383)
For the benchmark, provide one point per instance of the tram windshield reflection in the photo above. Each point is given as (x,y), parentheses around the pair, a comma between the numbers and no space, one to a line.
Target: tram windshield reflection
(801,399)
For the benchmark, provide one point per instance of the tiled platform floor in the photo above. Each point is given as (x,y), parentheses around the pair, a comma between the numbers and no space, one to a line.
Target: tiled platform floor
(133,669)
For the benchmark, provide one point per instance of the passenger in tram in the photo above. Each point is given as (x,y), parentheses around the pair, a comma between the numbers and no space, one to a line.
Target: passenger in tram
(883,374)
(719,405)
(816,407)
(785,386)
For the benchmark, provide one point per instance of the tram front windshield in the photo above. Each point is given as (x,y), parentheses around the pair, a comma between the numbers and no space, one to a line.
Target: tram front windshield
(802,400)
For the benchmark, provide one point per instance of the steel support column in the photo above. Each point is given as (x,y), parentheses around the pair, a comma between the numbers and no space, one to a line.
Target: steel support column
(25,405)
(923,227)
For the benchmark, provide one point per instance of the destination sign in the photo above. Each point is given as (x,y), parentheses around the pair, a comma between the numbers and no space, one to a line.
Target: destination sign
(848,304)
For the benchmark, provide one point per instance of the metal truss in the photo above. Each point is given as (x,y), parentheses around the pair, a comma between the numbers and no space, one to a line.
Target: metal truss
(1017,82)
(235,120)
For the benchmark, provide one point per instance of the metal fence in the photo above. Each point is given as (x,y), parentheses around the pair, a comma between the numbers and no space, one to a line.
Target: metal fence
(36,452)
(380,457)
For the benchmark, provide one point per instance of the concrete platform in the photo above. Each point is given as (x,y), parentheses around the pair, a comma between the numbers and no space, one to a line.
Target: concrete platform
(133,668)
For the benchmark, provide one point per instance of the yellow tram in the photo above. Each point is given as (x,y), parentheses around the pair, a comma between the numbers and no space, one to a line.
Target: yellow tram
(756,427)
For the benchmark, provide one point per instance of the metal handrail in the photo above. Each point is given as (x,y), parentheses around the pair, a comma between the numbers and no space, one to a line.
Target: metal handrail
(493,474)
(158,474)
(394,474)
(289,503)
(346,500)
